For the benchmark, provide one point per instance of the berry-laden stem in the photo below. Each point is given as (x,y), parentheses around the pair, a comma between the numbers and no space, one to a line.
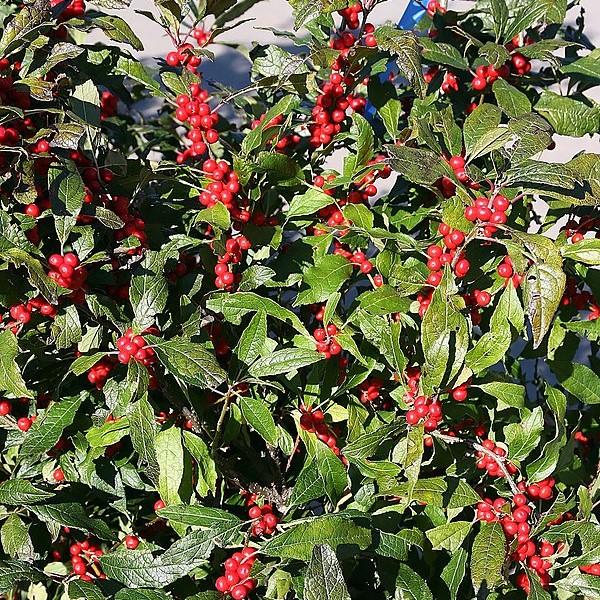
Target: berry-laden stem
(499,460)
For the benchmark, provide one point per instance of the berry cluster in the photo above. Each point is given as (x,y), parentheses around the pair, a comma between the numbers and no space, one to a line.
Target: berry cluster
(223,187)
(351,15)
(439,256)
(486,75)
(370,393)
(433,6)
(84,560)
(21,313)
(485,461)
(23,423)
(580,299)
(326,342)
(201,35)
(66,271)
(98,374)
(264,519)
(449,83)
(134,346)
(488,212)
(313,421)
(236,582)
(184,56)
(458,164)
(225,278)
(542,490)
(425,410)
(193,108)
(520,64)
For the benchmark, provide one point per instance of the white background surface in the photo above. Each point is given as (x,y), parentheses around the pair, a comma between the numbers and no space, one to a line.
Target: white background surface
(231,68)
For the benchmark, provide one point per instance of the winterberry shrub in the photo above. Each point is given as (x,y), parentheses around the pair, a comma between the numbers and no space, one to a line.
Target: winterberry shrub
(333,335)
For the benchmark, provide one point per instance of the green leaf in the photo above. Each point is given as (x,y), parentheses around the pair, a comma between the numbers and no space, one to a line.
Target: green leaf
(522,438)
(142,429)
(284,361)
(586,251)
(488,555)
(567,115)
(299,540)
(15,538)
(579,380)
(507,394)
(579,583)
(404,46)
(217,216)
(485,118)
(200,516)
(140,569)
(444,54)
(84,590)
(494,54)
(542,292)
(118,30)
(207,474)
(362,132)
(383,300)
(453,573)
(253,338)
(500,16)
(135,70)
(21,492)
(308,203)
(257,414)
(417,165)
(72,514)
(47,430)
(15,571)
(463,495)
(11,380)
(25,25)
(108,433)
(449,536)
(66,328)
(169,455)
(512,101)
(588,66)
(324,278)
(534,11)
(309,485)
(188,361)
(324,579)
(444,337)
(85,102)
(235,306)
(61,52)
(410,586)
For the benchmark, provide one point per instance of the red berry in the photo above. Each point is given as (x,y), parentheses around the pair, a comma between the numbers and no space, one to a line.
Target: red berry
(58,474)
(24,423)
(131,542)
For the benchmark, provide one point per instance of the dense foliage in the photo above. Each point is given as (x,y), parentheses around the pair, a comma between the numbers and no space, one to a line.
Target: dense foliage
(330,336)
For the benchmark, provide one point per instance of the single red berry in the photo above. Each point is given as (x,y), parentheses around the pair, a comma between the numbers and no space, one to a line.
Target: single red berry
(58,474)
(131,542)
